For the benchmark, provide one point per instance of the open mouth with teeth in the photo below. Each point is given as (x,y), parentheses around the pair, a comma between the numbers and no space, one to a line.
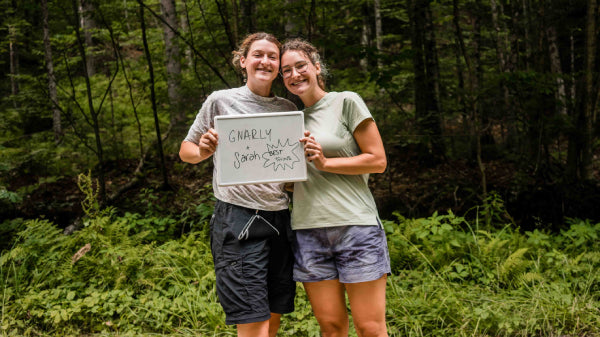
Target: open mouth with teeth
(298,82)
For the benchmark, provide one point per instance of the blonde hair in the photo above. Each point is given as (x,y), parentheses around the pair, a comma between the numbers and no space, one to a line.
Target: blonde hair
(244,48)
(311,52)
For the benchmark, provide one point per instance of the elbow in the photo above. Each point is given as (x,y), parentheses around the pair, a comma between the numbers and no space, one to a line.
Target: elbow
(182,155)
(186,158)
(381,165)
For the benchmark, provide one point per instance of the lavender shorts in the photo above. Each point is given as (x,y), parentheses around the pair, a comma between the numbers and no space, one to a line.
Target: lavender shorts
(351,254)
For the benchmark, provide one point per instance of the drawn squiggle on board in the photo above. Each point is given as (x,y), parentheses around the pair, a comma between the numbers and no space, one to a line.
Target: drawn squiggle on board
(281,155)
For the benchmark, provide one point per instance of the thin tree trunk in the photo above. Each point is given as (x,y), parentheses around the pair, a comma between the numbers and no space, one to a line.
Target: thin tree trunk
(14,63)
(159,146)
(572,63)
(555,67)
(185,27)
(86,7)
(476,80)
(472,83)
(500,48)
(312,20)
(173,65)
(93,114)
(249,16)
(590,91)
(235,27)
(433,84)
(364,39)
(425,68)
(126,14)
(56,123)
(526,29)
(224,14)
(378,32)
(292,28)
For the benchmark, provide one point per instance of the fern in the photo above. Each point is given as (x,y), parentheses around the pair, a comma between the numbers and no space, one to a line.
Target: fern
(513,267)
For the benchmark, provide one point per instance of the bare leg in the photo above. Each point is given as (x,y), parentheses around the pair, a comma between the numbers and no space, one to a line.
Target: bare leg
(274,322)
(258,329)
(328,302)
(367,302)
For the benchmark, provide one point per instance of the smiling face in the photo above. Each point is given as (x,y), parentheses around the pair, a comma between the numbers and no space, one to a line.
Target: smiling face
(261,64)
(300,76)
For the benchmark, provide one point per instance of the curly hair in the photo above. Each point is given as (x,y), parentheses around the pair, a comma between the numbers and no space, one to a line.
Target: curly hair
(305,47)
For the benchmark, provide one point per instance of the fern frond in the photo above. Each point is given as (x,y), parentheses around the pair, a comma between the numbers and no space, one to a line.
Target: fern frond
(513,267)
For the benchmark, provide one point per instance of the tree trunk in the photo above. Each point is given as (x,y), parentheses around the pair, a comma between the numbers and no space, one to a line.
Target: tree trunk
(425,68)
(527,36)
(500,55)
(224,14)
(476,80)
(473,78)
(364,39)
(433,85)
(292,28)
(590,90)
(555,67)
(249,16)
(56,123)
(126,14)
(312,20)
(185,27)
(378,32)
(173,65)
(86,8)
(14,63)
(93,114)
(159,146)
(235,27)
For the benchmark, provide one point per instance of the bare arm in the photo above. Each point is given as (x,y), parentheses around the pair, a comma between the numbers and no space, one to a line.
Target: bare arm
(371,159)
(195,153)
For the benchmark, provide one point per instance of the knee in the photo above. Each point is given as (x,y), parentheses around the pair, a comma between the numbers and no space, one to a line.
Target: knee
(371,329)
(333,328)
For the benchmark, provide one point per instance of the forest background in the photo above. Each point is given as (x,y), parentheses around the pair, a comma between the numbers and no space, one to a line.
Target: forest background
(488,111)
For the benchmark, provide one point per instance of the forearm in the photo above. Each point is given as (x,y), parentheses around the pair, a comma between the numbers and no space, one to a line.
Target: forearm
(191,153)
(360,164)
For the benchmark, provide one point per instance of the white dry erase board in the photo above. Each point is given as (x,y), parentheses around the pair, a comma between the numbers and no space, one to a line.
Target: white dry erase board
(260,148)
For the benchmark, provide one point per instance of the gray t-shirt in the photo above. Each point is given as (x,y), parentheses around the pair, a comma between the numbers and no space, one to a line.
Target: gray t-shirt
(240,101)
(330,199)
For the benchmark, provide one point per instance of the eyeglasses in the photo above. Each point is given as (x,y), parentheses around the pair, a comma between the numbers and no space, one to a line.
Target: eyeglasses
(300,67)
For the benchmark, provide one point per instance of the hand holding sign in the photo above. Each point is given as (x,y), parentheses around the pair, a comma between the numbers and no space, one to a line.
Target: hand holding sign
(208,142)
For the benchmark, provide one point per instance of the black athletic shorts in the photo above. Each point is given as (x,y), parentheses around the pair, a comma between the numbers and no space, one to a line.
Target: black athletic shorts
(254,277)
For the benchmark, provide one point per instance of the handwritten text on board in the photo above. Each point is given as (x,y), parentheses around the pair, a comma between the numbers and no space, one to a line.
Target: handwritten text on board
(261,148)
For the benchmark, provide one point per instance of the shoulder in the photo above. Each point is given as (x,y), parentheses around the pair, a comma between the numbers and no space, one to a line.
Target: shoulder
(285,104)
(224,94)
(350,96)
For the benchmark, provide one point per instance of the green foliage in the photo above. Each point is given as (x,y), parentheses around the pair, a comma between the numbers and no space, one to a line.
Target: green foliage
(90,203)
(450,278)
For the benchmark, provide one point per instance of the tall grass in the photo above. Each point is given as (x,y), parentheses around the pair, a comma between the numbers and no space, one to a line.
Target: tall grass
(451,277)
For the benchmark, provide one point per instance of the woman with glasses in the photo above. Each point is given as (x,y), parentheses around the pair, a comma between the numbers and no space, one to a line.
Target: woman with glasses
(340,245)
(253,276)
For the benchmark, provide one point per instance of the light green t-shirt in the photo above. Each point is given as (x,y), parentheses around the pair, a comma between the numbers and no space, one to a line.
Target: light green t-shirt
(329,199)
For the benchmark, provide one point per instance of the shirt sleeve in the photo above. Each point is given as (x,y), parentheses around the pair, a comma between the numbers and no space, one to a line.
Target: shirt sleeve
(204,120)
(355,110)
